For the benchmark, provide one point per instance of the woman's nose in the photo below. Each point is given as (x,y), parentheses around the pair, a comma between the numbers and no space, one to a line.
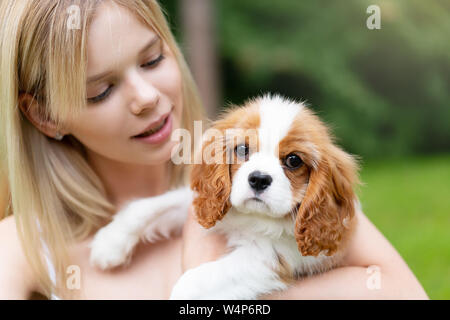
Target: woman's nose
(143,94)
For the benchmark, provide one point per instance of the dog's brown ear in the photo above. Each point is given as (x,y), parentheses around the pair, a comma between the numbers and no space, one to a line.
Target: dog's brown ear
(211,183)
(328,207)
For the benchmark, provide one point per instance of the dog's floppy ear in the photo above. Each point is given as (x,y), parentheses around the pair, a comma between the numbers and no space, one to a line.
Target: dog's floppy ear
(328,207)
(211,183)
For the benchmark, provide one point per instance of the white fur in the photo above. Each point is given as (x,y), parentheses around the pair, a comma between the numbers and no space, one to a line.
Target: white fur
(244,273)
(276,115)
(277,196)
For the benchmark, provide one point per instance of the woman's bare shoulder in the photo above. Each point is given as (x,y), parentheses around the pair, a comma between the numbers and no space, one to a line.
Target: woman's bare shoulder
(15,274)
(9,239)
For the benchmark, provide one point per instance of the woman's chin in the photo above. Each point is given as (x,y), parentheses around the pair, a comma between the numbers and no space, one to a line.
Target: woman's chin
(161,155)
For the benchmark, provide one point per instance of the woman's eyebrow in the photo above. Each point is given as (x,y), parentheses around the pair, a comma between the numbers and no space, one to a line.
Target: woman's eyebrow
(102,75)
(149,45)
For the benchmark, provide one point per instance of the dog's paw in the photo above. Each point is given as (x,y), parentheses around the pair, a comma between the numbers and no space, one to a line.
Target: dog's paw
(111,247)
(190,286)
(182,292)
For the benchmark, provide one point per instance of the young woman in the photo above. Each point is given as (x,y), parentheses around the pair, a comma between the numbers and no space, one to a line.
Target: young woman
(80,80)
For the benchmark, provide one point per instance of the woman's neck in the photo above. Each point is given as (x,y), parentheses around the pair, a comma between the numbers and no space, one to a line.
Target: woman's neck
(124,182)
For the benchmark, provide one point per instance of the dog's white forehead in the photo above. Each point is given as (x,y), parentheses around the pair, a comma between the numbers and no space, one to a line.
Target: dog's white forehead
(276,117)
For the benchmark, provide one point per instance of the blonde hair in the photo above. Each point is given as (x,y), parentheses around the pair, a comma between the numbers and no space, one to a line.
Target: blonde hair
(50,181)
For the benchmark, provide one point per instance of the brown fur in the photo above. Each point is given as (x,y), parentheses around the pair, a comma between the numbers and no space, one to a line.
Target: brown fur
(284,271)
(330,196)
(212,182)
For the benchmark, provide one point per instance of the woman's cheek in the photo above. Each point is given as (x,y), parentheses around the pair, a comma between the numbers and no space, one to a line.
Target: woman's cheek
(177,94)
(96,127)
(170,80)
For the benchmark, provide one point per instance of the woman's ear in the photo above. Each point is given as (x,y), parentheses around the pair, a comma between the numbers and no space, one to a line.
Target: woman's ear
(211,183)
(328,207)
(31,109)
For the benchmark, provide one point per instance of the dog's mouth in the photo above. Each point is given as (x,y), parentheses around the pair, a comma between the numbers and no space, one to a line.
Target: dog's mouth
(256,199)
(256,203)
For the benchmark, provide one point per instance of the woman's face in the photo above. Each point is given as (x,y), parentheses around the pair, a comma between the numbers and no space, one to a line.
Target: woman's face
(133,83)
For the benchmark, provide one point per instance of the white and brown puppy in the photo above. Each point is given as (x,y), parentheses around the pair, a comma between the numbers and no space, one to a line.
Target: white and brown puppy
(279,189)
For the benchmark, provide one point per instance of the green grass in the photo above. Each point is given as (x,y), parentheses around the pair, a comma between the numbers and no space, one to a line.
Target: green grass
(409,201)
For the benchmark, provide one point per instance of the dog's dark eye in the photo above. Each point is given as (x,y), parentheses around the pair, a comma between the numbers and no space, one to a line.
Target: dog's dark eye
(242,151)
(293,161)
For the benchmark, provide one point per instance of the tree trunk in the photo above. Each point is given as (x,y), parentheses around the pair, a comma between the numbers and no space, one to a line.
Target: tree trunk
(199,37)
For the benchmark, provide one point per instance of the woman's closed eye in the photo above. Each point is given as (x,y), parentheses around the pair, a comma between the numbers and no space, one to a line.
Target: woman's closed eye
(148,65)
(101,96)
(153,62)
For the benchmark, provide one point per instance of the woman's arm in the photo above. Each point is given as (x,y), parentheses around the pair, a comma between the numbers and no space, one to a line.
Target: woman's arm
(16,281)
(372,269)
(355,280)
(199,247)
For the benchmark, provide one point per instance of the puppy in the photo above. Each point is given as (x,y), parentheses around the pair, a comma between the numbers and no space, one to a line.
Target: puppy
(274,183)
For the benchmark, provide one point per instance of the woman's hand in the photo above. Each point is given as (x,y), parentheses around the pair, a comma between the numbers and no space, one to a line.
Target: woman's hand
(200,246)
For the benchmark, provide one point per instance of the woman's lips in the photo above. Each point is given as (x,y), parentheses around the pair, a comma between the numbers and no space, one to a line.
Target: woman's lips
(160,135)
(154,125)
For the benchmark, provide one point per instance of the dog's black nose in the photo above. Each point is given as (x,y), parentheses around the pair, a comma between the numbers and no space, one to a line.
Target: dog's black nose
(259,181)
